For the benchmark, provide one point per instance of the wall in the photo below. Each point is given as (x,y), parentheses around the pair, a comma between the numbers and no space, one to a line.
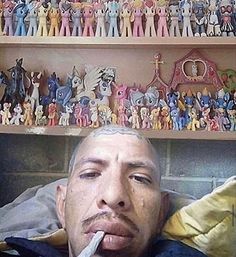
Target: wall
(190,166)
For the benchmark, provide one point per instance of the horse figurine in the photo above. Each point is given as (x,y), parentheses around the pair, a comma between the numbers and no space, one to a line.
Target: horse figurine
(100,12)
(76,15)
(88,15)
(112,17)
(21,11)
(64,93)
(213,26)
(65,8)
(8,9)
(54,16)
(125,20)
(1,14)
(186,13)
(149,15)
(136,18)
(7,92)
(33,16)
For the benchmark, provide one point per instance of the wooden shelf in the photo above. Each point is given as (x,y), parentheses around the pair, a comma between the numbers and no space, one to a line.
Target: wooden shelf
(109,42)
(82,132)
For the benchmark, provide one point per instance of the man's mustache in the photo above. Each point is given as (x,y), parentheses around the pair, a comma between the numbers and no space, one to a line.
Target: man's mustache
(109,216)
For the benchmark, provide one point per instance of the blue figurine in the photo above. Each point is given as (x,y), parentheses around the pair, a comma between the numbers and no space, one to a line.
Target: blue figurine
(21,11)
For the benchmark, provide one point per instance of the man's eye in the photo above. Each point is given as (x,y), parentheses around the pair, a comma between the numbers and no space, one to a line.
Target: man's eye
(141,179)
(89,175)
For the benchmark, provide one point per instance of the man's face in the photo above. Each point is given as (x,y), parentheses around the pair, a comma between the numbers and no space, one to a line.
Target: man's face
(114,187)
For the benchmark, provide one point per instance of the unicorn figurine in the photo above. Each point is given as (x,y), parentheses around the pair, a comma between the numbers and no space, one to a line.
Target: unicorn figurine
(43,11)
(76,15)
(136,18)
(65,18)
(112,16)
(100,12)
(186,12)
(88,15)
(8,9)
(54,16)
(21,11)
(33,16)
(125,20)
(150,11)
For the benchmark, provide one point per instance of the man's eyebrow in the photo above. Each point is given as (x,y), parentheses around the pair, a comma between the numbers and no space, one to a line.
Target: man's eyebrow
(140,164)
(93,160)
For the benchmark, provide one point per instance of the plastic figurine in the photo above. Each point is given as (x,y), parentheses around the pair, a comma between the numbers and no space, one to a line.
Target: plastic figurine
(134,119)
(100,12)
(17,116)
(174,12)
(226,14)
(125,20)
(151,97)
(28,114)
(199,10)
(94,115)
(54,16)
(150,11)
(76,15)
(65,8)
(81,117)
(162,28)
(232,119)
(64,93)
(5,113)
(146,122)
(33,16)
(193,121)
(1,14)
(65,116)
(136,18)
(186,12)
(213,26)
(43,11)
(21,11)
(205,119)
(155,118)
(112,15)
(52,114)
(165,118)
(122,117)
(7,97)
(136,97)
(8,9)
(88,15)
(40,119)
(104,93)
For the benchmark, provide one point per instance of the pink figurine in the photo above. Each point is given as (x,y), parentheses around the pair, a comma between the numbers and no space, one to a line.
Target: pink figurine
(52,114)
(81,118)
(1,14)
(122,117)
(76,15)
(136,18)
(28,115)
(134,119)
(162,12)
(65,18)
(186,13)
(54,16)
(100,11)
(174,19)
(5,113)
(120,96)
(88,15)
(43,11)
(146,122)
(125,20)
(8,9)
(150,11)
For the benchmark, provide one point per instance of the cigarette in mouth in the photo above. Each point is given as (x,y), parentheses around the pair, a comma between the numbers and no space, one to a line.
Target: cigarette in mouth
(92,247)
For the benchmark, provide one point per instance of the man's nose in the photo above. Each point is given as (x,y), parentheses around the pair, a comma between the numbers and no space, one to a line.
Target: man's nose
(114,194)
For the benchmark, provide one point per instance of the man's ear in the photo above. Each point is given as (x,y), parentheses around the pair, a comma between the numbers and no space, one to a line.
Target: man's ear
(60,203)
(164,209)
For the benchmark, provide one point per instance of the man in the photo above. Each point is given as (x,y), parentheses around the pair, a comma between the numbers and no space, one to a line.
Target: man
(114,187)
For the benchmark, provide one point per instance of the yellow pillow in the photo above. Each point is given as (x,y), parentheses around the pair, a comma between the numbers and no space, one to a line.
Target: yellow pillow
(208,224)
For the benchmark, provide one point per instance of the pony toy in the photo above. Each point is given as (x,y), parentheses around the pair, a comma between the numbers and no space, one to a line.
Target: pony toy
(146,122)
(193,121)
(104,93)
(40,119)
(65,8)
(120,96)
(5,113)
(17,115)
(134,119)
(43,11)
(111,16)
(155,118)
(76,15)
(136,18)
(100,12)
(7,97)
(232,119)
(88,15)
(8,9)
(21,11)
(125,20)
(1,14)
(81,116)
(213,26)
(177,121)
(122,117)
(65,116)
(226,14)
(52,114)
(199,10)
(54,16)
(186,12)
(150,11)
(162,11)
(33,16)
(28,114)
(151,97)
(174,19)
(136,97)
(64,93)
(94,114)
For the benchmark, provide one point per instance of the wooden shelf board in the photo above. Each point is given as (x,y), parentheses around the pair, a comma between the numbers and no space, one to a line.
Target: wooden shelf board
(82,132)
(109,42)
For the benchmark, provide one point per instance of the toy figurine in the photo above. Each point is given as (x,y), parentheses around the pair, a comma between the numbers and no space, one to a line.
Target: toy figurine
(226,14)
(54,16)
(134,119)
(17,115)
(162,28)
(151,97)
(28,114)
(104,93)
(121,117)
(43,11)
(5,113)
(7,97)
(125,20)
(105,115)
(81,116)
(150,11)
(136,18)
(64,93)
(33,16)
(193,123)
(112,15)
(76,15)
(65,8)
(176,120)
(146,122)
(21,11)
(199,10)
(52,114)
(186,12)
(136,97)
(155,118)
(1,14)
(94,114)
(8,9)
(100,12)
(40,119)
(213,26)
(88,15)
(174,19)
(232,119)
(205,119)
(165,118)
(65,116)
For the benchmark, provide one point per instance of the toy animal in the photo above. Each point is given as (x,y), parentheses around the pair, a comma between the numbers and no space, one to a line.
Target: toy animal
(105,115)
(81,116)
(174,11)
(134,119)
(5,113)
(88,15)
(8,9)
(136,18)
(165,118)
(213,25)
(43,11)
(28,114)
(136,97)
(54,16)
(146,122)
(232,119)
(112,15)
(193,123)
(1,14)
(17,116)
(52,114)
(40,119)
(21,11)
(65,8)
(121,116)
(7,97)
(177,120)
(65,116)
(155,118)
(186,12)
(125,20)
(33,16)
(226,14)
(104,92)
(64,93)
(150,11)
(151,97)
(94,114)
(100,13)
(162,28)
(199,10)
(76,15)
